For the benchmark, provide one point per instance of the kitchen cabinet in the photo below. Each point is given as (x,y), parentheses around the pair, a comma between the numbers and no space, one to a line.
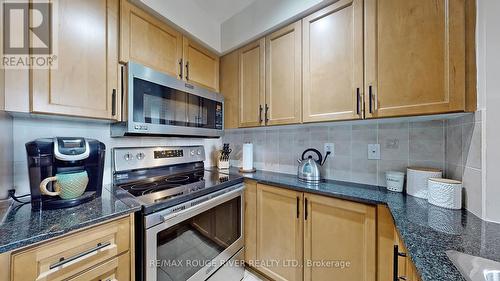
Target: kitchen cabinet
(283,102)
(201,66)
(250,221)
(85,82)
(339,230)
(97,253)
(147,40)
(333,62)
(389,245)
(415,57)
(252,84)
(229,87)
(280,232)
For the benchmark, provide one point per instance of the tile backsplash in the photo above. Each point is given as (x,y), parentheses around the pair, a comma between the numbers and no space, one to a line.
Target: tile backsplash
(28,129)
(403,143)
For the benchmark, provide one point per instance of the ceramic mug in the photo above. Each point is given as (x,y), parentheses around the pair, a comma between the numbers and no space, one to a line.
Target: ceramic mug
(67,185)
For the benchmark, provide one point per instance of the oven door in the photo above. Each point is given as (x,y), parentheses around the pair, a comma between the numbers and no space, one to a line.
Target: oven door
(162,104)
(193,243)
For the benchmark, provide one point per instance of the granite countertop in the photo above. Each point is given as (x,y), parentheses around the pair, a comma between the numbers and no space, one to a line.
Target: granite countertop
(21,227)
(427,231)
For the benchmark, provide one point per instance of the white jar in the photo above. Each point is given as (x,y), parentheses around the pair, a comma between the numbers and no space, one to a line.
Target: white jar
(417,180)
(445,193)
(395,181)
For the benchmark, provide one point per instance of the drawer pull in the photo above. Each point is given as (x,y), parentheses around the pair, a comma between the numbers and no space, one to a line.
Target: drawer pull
(62,261)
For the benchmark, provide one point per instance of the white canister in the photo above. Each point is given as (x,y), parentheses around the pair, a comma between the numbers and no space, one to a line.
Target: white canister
(417,180)
(395,181)
(445,193)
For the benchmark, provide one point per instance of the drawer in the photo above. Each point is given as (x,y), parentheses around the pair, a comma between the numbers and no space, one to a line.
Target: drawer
(117,269)
(67,256)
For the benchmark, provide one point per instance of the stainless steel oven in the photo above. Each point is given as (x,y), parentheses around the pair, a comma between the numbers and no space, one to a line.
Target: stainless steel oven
(191,241)
(159,104)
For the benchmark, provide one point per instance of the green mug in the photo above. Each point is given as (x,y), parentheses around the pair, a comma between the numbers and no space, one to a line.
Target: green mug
(67,185)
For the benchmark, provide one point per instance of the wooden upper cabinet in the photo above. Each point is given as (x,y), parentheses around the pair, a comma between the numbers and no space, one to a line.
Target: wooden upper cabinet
(229,87)
(280,232)
(284,76)
(415,57)
(147,40)
(339,230)
(201,66)
(333,62)
(252,84)
(85,81)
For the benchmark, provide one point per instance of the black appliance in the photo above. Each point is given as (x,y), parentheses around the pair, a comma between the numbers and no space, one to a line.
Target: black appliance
(50,156)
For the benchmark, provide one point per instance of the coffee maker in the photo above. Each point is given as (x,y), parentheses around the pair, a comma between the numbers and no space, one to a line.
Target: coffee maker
(52,156)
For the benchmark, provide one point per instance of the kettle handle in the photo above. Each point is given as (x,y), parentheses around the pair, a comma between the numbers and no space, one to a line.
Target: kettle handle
(320,157)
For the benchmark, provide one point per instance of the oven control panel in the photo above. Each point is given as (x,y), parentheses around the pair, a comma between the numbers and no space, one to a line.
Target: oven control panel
(133,158)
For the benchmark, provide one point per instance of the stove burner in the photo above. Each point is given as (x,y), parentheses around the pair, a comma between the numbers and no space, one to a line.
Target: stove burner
(177,179)
(143,186)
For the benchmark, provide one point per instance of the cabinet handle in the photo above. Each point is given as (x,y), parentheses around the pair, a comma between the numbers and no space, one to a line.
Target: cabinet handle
(358,98)
(267,111)
(306,212)
(260,114)
(113,102)
(180,68)
(63,261)
(370,97)
(298,202)
(187,70)
(396,255)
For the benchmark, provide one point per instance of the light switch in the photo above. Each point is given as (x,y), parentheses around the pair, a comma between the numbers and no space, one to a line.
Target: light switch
(374,151)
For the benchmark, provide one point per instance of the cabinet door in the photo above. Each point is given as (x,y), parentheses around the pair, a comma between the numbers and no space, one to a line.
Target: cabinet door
(250,214)
(115,269)
(202,66)
(252,84)
(284,76)
(415,57)
(339,230)
(280,233)
(333,62)
(229,87)
(85,81)
(148,41)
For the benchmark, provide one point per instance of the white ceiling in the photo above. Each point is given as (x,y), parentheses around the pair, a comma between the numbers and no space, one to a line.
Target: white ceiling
(223,25)
(221,10)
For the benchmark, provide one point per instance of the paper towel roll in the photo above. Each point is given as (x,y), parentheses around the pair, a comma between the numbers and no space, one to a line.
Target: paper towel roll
(247,157)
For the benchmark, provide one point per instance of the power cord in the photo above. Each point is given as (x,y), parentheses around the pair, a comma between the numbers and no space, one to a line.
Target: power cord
(12,195)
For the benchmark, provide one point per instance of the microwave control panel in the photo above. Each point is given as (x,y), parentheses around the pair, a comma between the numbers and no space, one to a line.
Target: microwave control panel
(218,116)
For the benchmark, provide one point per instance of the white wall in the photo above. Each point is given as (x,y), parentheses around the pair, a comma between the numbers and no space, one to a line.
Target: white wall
(488,46)
(6,154)
(189,17)
(28,129)
(262,16)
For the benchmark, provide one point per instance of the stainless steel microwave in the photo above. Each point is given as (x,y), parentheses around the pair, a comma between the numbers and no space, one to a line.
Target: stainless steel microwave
(158,104)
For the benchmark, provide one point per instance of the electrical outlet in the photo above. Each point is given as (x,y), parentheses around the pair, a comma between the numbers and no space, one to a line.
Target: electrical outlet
(330,147)
(374,151)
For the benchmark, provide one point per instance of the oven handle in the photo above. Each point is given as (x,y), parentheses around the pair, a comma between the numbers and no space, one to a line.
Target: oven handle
(210,203)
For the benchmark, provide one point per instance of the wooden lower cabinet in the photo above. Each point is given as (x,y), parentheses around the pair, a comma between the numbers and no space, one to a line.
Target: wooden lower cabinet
(103,252)
(387,239)
(279,233)
(250,221)
(339,240)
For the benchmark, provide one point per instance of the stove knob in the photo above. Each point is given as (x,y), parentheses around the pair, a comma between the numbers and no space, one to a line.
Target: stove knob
(198,152)
(192,152)
(128,156)
(140,156)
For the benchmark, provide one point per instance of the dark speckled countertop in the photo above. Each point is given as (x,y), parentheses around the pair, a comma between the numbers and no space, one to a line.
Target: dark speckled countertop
(21,227)
(428,231)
